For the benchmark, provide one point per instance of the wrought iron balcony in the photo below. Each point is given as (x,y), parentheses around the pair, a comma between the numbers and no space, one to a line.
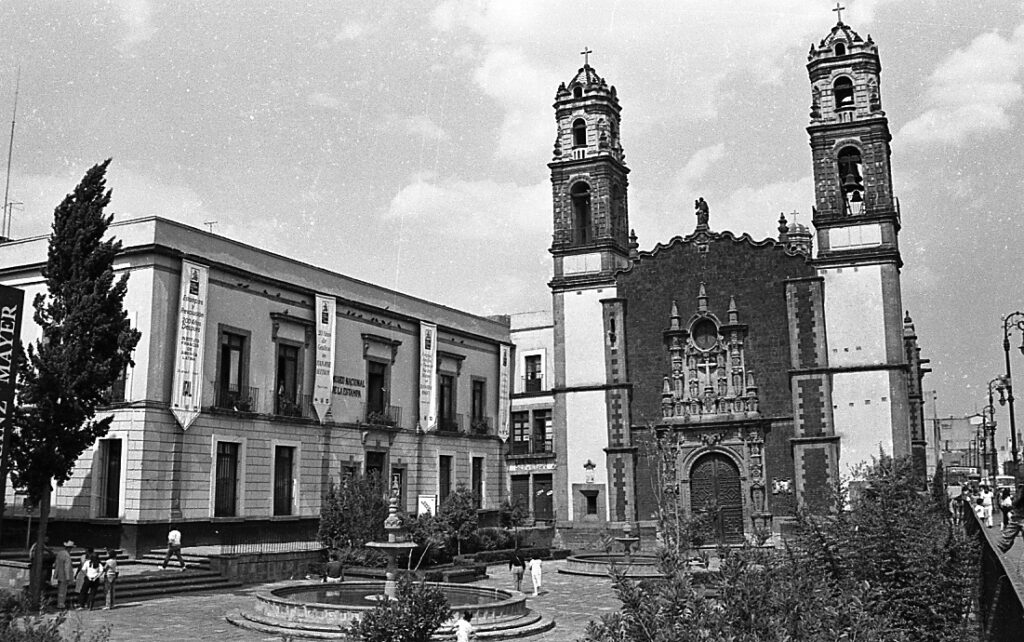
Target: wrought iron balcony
(452,423)
(535,446)
(481,425)
(245,399)
(386,416)
(533,383)
(294,406)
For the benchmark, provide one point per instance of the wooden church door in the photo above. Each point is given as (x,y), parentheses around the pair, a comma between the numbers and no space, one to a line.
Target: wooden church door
(715,485)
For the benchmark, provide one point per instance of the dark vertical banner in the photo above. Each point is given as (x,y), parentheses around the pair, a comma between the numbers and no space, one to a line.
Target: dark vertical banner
(12,303)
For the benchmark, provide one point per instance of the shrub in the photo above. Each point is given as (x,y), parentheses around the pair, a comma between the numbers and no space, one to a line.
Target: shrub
(19,623)
(494,538)
(458,518)
(353,512)
(417,612)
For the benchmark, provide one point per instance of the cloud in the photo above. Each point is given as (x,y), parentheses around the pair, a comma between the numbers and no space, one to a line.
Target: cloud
(350,31)
(137,15)
(696,168)
(327,101)
(421,126)
(971,91)
(756,210)
(478,210)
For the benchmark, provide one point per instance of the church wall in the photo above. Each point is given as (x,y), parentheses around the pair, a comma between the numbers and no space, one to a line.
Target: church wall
(862,411)
(854,315)
(586,438)
(584,336)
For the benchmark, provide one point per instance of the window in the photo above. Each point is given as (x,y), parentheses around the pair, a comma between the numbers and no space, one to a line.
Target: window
(288,381)
(580,194)
(444,477)
(842,89)
(520,433)
(577,92)
(543,496)
(446,402)
(480,422)
(840,49)
(110,478)
(542,431)
(579,132)
(232,390)
(284,485)
(851,178)
(376,387)
(534,376)
(375,462)
(478,480)
(116,392)
(226,482)
(591,497)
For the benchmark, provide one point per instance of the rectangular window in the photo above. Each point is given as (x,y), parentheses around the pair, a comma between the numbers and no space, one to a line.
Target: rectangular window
(534,376)
(591,502)
(542,431)
(232,387)
(117,390)
(226,488)
(375,467)
(446,402)
(543,497)
(478,480)
(284,485)
(444,477)
(479,399)
(288,381)
(376,388)
(520,433)
(110,477)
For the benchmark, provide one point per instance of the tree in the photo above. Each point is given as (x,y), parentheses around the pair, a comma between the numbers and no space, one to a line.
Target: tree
(353,512)
(458,515)
(417,611)
(87,342)
(514,513)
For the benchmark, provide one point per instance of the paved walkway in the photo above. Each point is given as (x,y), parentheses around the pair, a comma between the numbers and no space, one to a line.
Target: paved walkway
(571,600)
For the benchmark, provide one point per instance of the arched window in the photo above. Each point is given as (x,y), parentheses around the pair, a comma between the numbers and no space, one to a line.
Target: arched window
(840,49)
(842,89)
(579,132)
(577,92)
(851,178)
(580,194)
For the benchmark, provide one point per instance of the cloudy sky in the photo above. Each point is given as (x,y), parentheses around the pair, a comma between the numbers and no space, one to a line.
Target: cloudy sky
(405,143)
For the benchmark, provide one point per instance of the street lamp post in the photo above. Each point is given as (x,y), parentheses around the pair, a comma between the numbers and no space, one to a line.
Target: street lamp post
(989,424)
(1012,320)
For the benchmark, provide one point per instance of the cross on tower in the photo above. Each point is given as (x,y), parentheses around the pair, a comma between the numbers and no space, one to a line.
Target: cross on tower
(586,56)
(839,12)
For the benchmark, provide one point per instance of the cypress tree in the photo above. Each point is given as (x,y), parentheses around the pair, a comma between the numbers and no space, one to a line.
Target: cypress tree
(87,342)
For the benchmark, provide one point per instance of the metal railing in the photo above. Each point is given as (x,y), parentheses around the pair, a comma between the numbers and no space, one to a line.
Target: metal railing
(533,447)
(534,383)
(480,425)
(252,541)
(1000,585)
(245,399)
(298,406)
(451,423)
(387,416)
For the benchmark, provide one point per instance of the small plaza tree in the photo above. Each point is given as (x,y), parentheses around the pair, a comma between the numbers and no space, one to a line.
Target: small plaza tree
(86,344)
(457,515)
(353,511)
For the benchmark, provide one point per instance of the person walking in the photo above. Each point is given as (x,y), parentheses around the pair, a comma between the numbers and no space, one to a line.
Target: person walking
(64,571)
(956,509)
(518,567)
(1005,504)
(535,574)
(173,548)
(110,574)
(1016,524)
(464,630)
(93,576)
(986,504)
(83,561)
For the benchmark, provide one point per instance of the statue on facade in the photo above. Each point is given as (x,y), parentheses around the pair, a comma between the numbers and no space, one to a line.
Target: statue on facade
(702,211)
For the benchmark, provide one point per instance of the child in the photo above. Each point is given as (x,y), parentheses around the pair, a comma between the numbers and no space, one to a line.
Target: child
(464,631)
(110,573)
(979,509)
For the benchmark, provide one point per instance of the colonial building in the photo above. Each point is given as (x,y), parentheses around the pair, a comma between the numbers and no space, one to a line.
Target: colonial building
(259,380)
(736,375)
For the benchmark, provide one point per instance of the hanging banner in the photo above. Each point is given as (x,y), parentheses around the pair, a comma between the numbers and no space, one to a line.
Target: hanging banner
(12,304)
(187,390)
(428,375)
(504,377)
(323,375)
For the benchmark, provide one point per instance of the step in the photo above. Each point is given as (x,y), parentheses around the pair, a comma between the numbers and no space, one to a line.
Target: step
(243,620)
(168,577)
(174,590)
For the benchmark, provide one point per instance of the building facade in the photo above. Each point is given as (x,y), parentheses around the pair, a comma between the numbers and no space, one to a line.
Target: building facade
(732,375)
(299,377)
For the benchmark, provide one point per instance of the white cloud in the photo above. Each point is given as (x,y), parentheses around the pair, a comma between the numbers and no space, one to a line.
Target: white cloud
(476,210)
(421,126)
(137,15)
(756,210)
(971,91)
(697,167)
(327,101)
(350,31)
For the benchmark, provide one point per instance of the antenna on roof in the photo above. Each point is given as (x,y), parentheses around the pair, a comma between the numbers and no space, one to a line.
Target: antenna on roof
(5,228)
(210,224)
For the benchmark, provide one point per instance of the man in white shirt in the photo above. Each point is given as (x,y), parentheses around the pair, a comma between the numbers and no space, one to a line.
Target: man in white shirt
(173,548)
(986,504)
(464,631)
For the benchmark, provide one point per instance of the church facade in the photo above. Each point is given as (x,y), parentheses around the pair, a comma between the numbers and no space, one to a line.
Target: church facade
(731,375)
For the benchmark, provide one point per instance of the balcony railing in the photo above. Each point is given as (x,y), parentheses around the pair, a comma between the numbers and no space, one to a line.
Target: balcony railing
(532,447)
(481,425)
(294,406)
(533,383)
(386,416)
(451,423)
(245,399)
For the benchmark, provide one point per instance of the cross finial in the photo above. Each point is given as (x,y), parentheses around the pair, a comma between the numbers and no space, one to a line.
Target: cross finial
(839,12)
(586,55)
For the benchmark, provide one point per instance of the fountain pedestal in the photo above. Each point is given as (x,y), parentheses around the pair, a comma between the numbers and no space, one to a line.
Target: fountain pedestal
(628,541)
(396,544)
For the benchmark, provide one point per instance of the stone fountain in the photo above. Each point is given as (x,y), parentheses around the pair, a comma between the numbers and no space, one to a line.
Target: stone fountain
(628,541)
(397,544)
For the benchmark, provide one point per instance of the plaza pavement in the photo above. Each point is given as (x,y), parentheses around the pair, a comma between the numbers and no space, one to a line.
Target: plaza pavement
(571,600)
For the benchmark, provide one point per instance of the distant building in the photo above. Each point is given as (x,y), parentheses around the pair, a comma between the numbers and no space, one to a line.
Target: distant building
(730,374)
(224,429)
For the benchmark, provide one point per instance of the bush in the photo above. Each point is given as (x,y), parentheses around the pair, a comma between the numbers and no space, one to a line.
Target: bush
(353,512)
(20,623)
(494,538)
(417,612)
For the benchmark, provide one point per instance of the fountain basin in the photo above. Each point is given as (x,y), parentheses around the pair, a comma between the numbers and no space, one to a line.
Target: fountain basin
(318,605)
(599,564)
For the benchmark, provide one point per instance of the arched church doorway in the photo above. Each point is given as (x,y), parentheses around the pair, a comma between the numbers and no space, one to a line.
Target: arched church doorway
(715,487)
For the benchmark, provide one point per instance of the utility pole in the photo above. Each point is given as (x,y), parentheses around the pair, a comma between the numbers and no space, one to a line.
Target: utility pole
(5,229)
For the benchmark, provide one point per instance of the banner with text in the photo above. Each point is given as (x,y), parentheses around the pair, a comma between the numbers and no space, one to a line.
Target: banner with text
(187,391)
(12,304)
(504,378)
(428,375)
(323,380)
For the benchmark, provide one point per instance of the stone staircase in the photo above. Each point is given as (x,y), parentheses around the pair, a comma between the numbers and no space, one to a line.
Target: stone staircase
(142,578)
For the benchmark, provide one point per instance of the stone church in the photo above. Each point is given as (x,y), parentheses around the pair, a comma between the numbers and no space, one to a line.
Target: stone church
(765,369)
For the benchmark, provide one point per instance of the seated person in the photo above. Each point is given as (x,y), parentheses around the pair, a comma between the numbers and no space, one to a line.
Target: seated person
(333,570)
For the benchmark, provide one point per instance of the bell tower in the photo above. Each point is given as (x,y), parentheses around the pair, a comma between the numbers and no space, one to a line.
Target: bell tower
(857,222)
